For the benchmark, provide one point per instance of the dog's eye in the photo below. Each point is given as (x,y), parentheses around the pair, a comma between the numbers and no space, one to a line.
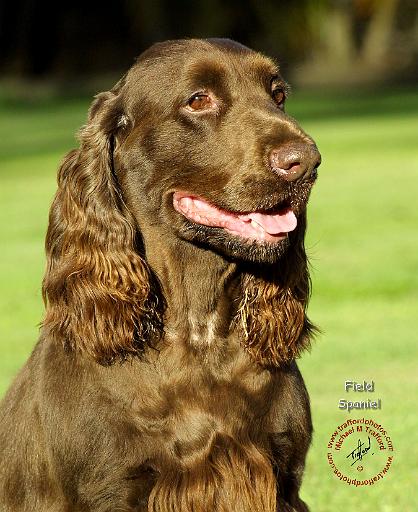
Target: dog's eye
(199,101)
(279,96)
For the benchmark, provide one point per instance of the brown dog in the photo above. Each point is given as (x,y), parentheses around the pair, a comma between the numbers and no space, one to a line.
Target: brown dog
(176,290)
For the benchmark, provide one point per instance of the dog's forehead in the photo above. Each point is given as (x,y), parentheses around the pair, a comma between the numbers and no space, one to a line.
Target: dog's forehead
(208,68)
(187,63)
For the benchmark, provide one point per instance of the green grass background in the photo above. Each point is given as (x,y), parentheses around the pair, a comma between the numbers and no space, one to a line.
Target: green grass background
(363,246)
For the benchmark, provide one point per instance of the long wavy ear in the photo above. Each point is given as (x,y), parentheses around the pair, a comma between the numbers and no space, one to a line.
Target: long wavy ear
(100,295)
(272,313)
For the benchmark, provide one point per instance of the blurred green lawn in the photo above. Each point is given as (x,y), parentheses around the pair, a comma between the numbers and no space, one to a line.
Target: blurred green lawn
(363,245)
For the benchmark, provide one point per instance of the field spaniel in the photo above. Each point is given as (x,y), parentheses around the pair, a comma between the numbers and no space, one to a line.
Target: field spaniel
(176,291)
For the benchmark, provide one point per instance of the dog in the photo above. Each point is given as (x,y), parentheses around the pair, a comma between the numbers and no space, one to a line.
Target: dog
(176,290)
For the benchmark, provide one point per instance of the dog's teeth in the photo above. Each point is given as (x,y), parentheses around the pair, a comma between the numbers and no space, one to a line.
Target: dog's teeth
(186,202)
(255,225)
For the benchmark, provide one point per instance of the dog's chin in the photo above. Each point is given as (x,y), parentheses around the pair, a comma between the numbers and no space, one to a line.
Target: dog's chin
(234,247)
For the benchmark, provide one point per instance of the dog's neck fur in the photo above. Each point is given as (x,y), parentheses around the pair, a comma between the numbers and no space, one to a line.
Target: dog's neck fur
(201,305)
(257,307)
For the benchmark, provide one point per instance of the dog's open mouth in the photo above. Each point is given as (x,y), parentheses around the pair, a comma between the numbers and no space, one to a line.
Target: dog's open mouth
(259,226)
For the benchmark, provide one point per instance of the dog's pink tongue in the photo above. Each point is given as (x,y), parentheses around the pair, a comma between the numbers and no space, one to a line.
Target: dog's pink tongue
(265,227)
(275,223)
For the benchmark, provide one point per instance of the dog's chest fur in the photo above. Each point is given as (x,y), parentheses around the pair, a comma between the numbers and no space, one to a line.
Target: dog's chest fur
(188,400)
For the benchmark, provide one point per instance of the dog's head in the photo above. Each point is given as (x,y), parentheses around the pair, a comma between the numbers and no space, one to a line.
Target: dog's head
(194,140)
(206,148)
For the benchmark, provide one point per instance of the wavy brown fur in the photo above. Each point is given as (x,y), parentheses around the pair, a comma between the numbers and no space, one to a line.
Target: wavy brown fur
(231,473)
(97,285)
(273,321)
(272,312)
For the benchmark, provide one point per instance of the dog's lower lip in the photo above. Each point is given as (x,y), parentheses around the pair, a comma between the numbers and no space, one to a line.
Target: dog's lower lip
(262,226)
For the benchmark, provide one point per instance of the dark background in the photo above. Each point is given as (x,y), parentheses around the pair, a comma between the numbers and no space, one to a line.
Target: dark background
(323,41)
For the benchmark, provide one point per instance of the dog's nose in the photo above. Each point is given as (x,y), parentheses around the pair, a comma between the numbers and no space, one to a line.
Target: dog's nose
(293,160)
